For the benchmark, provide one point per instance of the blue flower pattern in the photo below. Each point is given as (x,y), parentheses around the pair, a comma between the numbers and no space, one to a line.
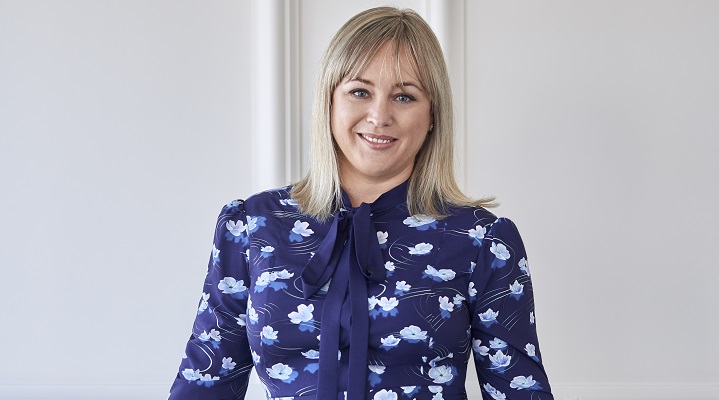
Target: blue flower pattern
(452,285)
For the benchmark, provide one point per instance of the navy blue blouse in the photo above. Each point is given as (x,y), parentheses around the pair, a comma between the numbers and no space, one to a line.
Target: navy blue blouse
(372,304)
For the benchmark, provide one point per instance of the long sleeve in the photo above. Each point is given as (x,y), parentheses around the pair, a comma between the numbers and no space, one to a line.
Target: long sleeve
(504,334)
(218,359)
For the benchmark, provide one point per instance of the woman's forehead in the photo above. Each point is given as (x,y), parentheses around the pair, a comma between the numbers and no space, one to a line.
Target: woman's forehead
(390,59)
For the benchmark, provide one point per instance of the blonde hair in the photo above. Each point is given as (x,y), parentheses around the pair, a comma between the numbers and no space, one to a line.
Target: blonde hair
(432,189)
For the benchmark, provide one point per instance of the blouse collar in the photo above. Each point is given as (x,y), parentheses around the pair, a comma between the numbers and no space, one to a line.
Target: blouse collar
(387,200)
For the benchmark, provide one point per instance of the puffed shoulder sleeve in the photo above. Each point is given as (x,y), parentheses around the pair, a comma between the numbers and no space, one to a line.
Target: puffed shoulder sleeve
(218,359)
(504,334)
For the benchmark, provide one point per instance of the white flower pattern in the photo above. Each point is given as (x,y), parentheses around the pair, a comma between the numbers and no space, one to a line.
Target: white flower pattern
(229,285)
(301,228)
(440,374)
(435,276)
(303,314)
(443,274)
(413,332)
(279,371)
(421,249)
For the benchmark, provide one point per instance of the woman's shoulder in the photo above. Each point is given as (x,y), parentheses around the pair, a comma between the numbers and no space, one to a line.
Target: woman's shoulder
(278,199)
(470,215)
(479,219)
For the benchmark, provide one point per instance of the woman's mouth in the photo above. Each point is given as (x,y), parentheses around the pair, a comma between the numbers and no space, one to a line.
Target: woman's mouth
(376,140)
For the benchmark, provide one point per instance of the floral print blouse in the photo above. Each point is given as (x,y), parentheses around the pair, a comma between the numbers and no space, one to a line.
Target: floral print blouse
(371,304)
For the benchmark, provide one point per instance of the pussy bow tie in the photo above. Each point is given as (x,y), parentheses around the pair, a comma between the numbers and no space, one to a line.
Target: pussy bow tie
(348,257)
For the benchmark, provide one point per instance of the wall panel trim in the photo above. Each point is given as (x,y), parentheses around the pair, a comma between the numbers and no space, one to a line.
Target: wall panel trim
(588,391)
(447,19)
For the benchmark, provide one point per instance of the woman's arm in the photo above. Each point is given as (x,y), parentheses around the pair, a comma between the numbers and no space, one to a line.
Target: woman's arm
(218,359)
(504,333)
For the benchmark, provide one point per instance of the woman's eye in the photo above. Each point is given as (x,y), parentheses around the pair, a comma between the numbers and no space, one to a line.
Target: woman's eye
(404,98)
(359,93)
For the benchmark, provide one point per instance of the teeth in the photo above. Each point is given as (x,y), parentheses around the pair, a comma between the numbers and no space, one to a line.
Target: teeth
(375,140)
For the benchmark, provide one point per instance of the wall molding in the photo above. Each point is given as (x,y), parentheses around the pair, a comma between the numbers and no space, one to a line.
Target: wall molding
(42,391)
(293,82)
(562,391)
(447,19)
(274,122)
(267,120)
(636,391)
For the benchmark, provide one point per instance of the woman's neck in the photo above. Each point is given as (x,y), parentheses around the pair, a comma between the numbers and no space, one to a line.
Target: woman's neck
(368,190)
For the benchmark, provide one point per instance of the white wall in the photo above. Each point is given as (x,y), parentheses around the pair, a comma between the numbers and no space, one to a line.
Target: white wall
(124,126)
(122,133)
(596,123)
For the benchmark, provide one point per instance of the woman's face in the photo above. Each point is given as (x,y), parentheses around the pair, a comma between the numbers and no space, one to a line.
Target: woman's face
(379,124)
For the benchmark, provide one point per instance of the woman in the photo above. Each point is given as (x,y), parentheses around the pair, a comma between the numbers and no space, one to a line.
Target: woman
(374,276)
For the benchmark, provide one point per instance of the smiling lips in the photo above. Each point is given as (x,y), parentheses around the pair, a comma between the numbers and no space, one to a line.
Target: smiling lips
(377,140)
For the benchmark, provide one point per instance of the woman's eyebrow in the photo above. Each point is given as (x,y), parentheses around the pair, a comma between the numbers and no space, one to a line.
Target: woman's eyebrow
(398,84)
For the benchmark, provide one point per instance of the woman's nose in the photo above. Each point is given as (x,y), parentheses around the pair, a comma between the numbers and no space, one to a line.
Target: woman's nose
(380,112)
